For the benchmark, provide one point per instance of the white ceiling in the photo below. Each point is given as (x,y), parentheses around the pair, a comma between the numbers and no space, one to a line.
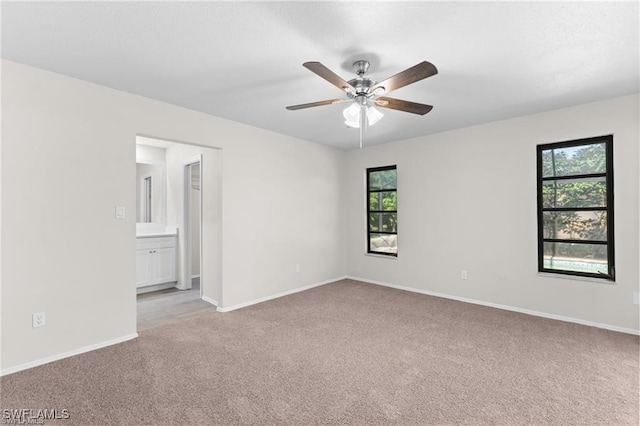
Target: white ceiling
(243,61)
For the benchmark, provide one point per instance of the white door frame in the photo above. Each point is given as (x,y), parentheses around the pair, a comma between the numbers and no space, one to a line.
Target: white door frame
(185,279)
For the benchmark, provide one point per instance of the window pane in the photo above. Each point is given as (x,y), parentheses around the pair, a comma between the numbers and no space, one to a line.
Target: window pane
(589,192)
(575,225)
(383,243)
(574,160)
(383,179)
(383,201)
(591,258)
(383,222)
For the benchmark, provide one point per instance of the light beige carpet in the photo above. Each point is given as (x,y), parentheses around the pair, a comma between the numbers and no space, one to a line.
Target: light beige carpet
(347,353)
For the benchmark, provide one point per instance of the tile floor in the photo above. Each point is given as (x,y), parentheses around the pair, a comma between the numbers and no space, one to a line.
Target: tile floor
(160,307)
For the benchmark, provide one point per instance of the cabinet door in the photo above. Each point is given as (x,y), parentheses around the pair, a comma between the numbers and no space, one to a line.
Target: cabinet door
(165,265)
(143,268)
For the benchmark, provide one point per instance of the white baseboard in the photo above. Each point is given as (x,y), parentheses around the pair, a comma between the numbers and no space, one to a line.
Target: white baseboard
(277,295)
(210,300)
(155,287)
(504,307)
(63,355)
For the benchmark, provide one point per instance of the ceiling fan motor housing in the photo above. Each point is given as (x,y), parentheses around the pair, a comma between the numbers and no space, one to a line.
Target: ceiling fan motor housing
(361,84)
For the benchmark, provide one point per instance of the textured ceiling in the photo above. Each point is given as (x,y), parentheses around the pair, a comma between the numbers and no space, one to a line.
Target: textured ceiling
(243,61)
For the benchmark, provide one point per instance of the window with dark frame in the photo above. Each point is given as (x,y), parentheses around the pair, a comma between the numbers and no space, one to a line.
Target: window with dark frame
(382,211)
(575,208)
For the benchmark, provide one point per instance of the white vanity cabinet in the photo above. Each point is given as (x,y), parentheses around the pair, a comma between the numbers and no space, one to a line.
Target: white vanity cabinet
(157,261)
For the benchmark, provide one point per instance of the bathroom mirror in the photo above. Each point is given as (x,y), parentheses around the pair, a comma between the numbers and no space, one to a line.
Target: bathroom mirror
(150,192)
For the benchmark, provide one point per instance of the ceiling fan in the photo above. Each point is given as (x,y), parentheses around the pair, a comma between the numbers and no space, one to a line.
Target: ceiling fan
(364,92)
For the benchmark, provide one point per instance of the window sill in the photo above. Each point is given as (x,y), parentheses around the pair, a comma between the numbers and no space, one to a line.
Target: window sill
(381,256)
(575,278)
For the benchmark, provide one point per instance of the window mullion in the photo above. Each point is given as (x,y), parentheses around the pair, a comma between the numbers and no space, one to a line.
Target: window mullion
(574,177)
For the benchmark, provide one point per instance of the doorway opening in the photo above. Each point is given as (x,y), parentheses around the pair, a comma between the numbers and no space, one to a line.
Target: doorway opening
(178,274)
(192,223)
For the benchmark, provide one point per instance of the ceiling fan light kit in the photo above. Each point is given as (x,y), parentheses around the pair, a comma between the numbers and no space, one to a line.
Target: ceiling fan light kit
(364,92)
(352,115)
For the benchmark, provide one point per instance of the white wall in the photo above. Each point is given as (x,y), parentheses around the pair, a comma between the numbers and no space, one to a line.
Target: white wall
(467,200)
(281,206)
(150,153)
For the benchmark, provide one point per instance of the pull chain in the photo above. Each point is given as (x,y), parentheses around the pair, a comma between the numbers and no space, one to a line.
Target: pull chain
(363,122)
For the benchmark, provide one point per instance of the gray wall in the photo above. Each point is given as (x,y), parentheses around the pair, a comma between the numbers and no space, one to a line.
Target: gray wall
(84,279)
(467,201)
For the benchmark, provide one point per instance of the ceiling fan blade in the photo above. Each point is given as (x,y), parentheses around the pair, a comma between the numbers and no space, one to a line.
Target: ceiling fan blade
(315,104)
(400,105)
(416,73)
(330,76)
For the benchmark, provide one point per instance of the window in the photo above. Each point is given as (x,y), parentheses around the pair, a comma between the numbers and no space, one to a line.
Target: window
(575,208)
(382,211)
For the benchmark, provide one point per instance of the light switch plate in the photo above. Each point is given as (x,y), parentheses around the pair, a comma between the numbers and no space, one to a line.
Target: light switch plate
(120,213)
(39,319)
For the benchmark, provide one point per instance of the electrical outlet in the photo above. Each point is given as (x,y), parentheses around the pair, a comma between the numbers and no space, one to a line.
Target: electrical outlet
(298,268)
(39,319)
(463,275)
(636,298)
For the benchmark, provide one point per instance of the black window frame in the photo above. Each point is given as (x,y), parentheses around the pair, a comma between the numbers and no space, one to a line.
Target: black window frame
(609,208)
(369,211)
